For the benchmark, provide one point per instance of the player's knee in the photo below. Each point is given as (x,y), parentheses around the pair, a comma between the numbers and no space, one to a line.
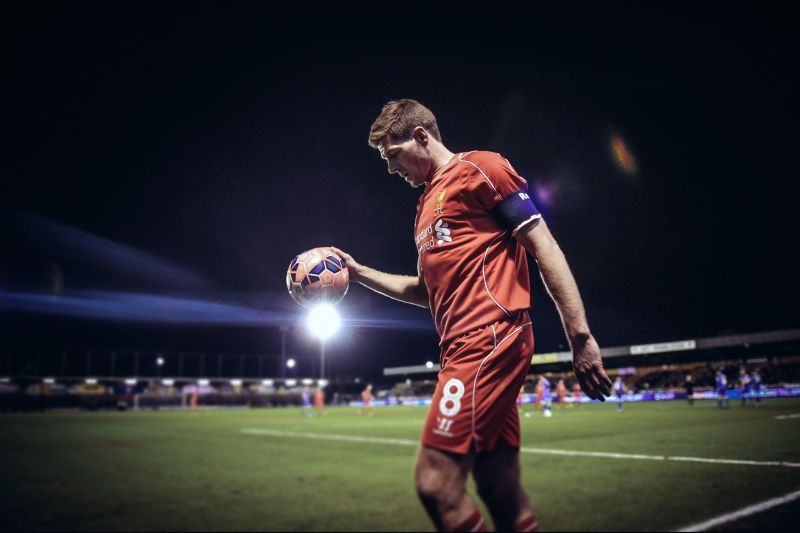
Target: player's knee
(429,484)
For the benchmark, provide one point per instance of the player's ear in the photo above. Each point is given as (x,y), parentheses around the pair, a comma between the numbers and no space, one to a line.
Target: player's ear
(420,135)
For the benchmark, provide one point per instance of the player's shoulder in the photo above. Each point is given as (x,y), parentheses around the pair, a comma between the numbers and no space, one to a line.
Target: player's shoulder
(483,158)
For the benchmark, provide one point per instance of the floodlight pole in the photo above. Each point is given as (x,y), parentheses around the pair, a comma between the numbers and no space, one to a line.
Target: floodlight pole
(322,358)
(284,329)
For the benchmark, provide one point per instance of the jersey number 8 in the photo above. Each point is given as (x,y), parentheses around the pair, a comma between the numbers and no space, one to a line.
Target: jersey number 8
(450,404)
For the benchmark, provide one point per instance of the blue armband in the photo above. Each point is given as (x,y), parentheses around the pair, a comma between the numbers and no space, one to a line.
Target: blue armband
(516,210)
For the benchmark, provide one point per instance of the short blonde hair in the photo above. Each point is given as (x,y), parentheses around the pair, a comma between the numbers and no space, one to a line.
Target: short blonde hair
(398,118)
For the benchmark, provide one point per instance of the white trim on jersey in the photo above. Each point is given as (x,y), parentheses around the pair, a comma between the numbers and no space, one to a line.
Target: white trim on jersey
(461,158)
(448,165)
(483,272)
(475,381)
(534,217)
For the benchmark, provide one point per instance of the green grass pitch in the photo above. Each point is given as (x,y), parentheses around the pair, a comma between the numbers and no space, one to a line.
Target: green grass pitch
(125,471)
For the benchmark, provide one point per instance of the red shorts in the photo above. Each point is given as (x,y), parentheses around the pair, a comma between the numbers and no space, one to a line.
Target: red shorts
(475,398)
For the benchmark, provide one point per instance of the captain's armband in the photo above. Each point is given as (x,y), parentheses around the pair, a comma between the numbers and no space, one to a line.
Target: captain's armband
(516,210)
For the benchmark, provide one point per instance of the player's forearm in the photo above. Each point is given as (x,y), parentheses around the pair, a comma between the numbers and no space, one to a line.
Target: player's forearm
(406,289)
(563,290)
(558,280)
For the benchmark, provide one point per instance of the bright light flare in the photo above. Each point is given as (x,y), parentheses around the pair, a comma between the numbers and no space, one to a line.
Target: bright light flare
(323,321)
(622,155)
(290,363)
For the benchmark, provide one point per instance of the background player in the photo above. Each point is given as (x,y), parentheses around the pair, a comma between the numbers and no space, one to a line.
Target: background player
(619,390)
(744,384)
(576,393)
(319,401)
(547,397)
(561,393)
(305,400)
(756,387)
(366,397)
(722,390)
(475,221)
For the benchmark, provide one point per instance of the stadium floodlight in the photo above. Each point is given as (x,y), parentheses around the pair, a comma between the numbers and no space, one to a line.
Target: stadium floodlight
(322,382)
(291,382)
(160,361)
(266,382)
(323,321)
(130,382)
(429,364)
(308,381)
(203,382)
(91,381)
(236,382)
(290,363)
(168,382)
(49,381)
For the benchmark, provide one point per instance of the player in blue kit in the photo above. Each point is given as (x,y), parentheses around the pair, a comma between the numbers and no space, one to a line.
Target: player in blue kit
(755,387)
(547,397)
(306,401)
(619,390)
(722,390)
(744,384)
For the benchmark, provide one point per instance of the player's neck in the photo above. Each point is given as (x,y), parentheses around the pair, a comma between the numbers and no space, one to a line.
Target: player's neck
(441,156)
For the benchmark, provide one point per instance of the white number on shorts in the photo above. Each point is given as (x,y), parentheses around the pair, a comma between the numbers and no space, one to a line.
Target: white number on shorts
(453,391)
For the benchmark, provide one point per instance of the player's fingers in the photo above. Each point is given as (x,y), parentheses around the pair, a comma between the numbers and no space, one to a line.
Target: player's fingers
(587,387)
(344,255)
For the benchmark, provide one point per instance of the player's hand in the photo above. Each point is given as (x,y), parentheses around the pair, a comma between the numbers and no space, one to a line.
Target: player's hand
(354,267)
(588,367)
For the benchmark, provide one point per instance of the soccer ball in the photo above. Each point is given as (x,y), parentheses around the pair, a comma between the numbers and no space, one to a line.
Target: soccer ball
(317,276)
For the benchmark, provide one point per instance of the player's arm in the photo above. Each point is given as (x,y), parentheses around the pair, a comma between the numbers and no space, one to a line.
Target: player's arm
(408,289)
(560,284)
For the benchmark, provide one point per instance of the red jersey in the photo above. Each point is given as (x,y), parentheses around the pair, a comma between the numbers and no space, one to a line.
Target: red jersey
(475,270)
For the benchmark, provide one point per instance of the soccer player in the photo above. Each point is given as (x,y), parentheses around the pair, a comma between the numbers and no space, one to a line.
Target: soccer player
(319,401)
(619,390)
(744,384)
(539,392)
(722,390)
(756,387)
(366,397)
(305,399)
(690,389)
(576,394)
(475,221)
(561,393)
(547,397)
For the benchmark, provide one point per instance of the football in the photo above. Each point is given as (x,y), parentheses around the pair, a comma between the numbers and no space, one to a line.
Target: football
(317,276)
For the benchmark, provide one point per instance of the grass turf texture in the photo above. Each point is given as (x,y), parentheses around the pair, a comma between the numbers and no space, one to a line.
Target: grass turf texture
(199,471)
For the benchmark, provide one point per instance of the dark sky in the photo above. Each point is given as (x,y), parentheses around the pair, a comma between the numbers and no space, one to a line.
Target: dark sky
(191,150)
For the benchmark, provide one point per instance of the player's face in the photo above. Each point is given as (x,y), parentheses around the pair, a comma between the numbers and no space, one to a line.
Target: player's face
(408,159)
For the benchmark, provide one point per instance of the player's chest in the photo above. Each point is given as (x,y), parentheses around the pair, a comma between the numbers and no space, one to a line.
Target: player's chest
(441,218)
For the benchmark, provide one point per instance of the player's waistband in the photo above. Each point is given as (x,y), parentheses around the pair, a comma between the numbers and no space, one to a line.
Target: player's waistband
(517,317)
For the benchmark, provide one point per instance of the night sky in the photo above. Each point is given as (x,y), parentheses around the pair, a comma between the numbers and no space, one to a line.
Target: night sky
(189,151)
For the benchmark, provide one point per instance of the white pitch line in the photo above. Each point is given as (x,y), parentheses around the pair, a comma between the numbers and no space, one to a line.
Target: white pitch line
(324,436)
(741,513)
(541,451)
(787,417)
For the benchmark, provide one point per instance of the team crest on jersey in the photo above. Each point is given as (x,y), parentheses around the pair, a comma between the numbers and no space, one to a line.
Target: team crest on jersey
(439,210)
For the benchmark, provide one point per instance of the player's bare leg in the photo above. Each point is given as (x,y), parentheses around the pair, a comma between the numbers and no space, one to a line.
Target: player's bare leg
(441,480)
(497,475)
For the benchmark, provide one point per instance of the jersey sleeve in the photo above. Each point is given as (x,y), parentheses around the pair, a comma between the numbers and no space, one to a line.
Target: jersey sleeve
(496,187)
